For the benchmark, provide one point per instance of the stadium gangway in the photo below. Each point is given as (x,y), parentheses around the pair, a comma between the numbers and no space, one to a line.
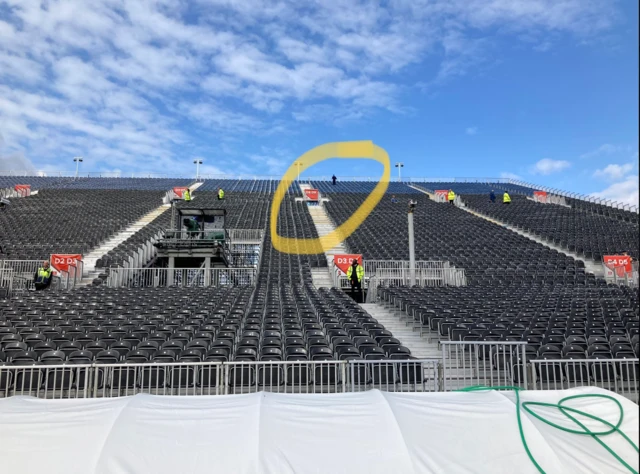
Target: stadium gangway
(180,277)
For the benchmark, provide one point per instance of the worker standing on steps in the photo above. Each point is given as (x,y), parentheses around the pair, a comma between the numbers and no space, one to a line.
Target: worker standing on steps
(334,179)
(451,196)
(355,274)
(187,195)
(492,196)
(506,199)
(220,194)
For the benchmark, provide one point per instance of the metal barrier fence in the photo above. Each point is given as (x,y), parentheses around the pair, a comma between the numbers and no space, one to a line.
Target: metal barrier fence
(217,378)
(22,272)
(463,364)
(618,375)
(487,363)
(381,273)
(247,236)
(620,276)
(182,277)
(397,271)
(550,199)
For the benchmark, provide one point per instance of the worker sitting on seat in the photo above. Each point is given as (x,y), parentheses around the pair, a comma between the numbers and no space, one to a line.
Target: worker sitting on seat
(355,274)
(393,199)
(220,194)
(451,196)
(506,199)
(187,195)
(42,278)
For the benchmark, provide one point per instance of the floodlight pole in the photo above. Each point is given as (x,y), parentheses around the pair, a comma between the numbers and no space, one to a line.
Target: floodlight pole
(299,165)
(77,159)
(198,163)
(412,249)
(399,165)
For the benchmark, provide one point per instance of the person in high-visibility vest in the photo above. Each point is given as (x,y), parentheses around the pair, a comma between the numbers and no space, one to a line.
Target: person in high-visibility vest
(220,194)
(187,195)
(451,196)
(506,199)
(355,274)
(42,278)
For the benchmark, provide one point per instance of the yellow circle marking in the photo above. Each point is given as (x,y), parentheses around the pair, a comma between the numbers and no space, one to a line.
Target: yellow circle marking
(366,150)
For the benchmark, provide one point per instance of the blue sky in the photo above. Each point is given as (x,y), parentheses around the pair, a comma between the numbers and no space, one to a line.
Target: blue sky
(546,90)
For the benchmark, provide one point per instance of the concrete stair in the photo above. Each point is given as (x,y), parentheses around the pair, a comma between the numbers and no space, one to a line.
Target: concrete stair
(321,278)
(324,225)
(419,346)
(90,272)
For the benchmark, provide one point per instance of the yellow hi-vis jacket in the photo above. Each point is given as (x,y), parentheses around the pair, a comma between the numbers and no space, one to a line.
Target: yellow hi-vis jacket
(221,194)
(506,198)
(359,272)
(187,195)
(451,195)
(43,275)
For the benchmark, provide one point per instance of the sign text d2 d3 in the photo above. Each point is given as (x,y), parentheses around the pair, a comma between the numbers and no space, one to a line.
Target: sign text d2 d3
(62,262)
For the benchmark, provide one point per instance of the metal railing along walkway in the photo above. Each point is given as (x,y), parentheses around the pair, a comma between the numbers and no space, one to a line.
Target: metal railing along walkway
(462,364)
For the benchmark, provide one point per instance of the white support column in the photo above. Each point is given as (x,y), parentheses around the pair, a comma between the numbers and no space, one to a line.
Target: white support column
(172,264)
(207,271)
(412,251)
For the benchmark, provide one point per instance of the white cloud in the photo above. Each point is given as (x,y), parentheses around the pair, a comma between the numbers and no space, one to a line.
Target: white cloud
(606,149)
(508,175)
(614,172)
(140,84)
(471,130)
(549,166)
(625,191)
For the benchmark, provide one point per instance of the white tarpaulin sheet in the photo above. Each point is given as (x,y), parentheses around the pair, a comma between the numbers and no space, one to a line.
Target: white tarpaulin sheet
(368,432)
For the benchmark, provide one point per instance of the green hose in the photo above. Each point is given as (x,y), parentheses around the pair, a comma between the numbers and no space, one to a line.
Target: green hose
(567,412)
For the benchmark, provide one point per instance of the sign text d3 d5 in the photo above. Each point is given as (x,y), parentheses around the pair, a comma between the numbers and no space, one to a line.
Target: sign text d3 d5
(344,261)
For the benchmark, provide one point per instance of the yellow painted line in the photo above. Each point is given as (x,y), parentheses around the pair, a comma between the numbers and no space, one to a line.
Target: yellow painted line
(366,150)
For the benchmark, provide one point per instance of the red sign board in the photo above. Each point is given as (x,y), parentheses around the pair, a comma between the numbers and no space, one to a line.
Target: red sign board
(23,189)
(540,196)
(444,192)
(61,262)
(312,194)
(179,190)
(343,262)
(621,264)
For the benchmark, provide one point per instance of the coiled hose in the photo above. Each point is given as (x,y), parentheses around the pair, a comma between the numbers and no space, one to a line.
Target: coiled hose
(566,411)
